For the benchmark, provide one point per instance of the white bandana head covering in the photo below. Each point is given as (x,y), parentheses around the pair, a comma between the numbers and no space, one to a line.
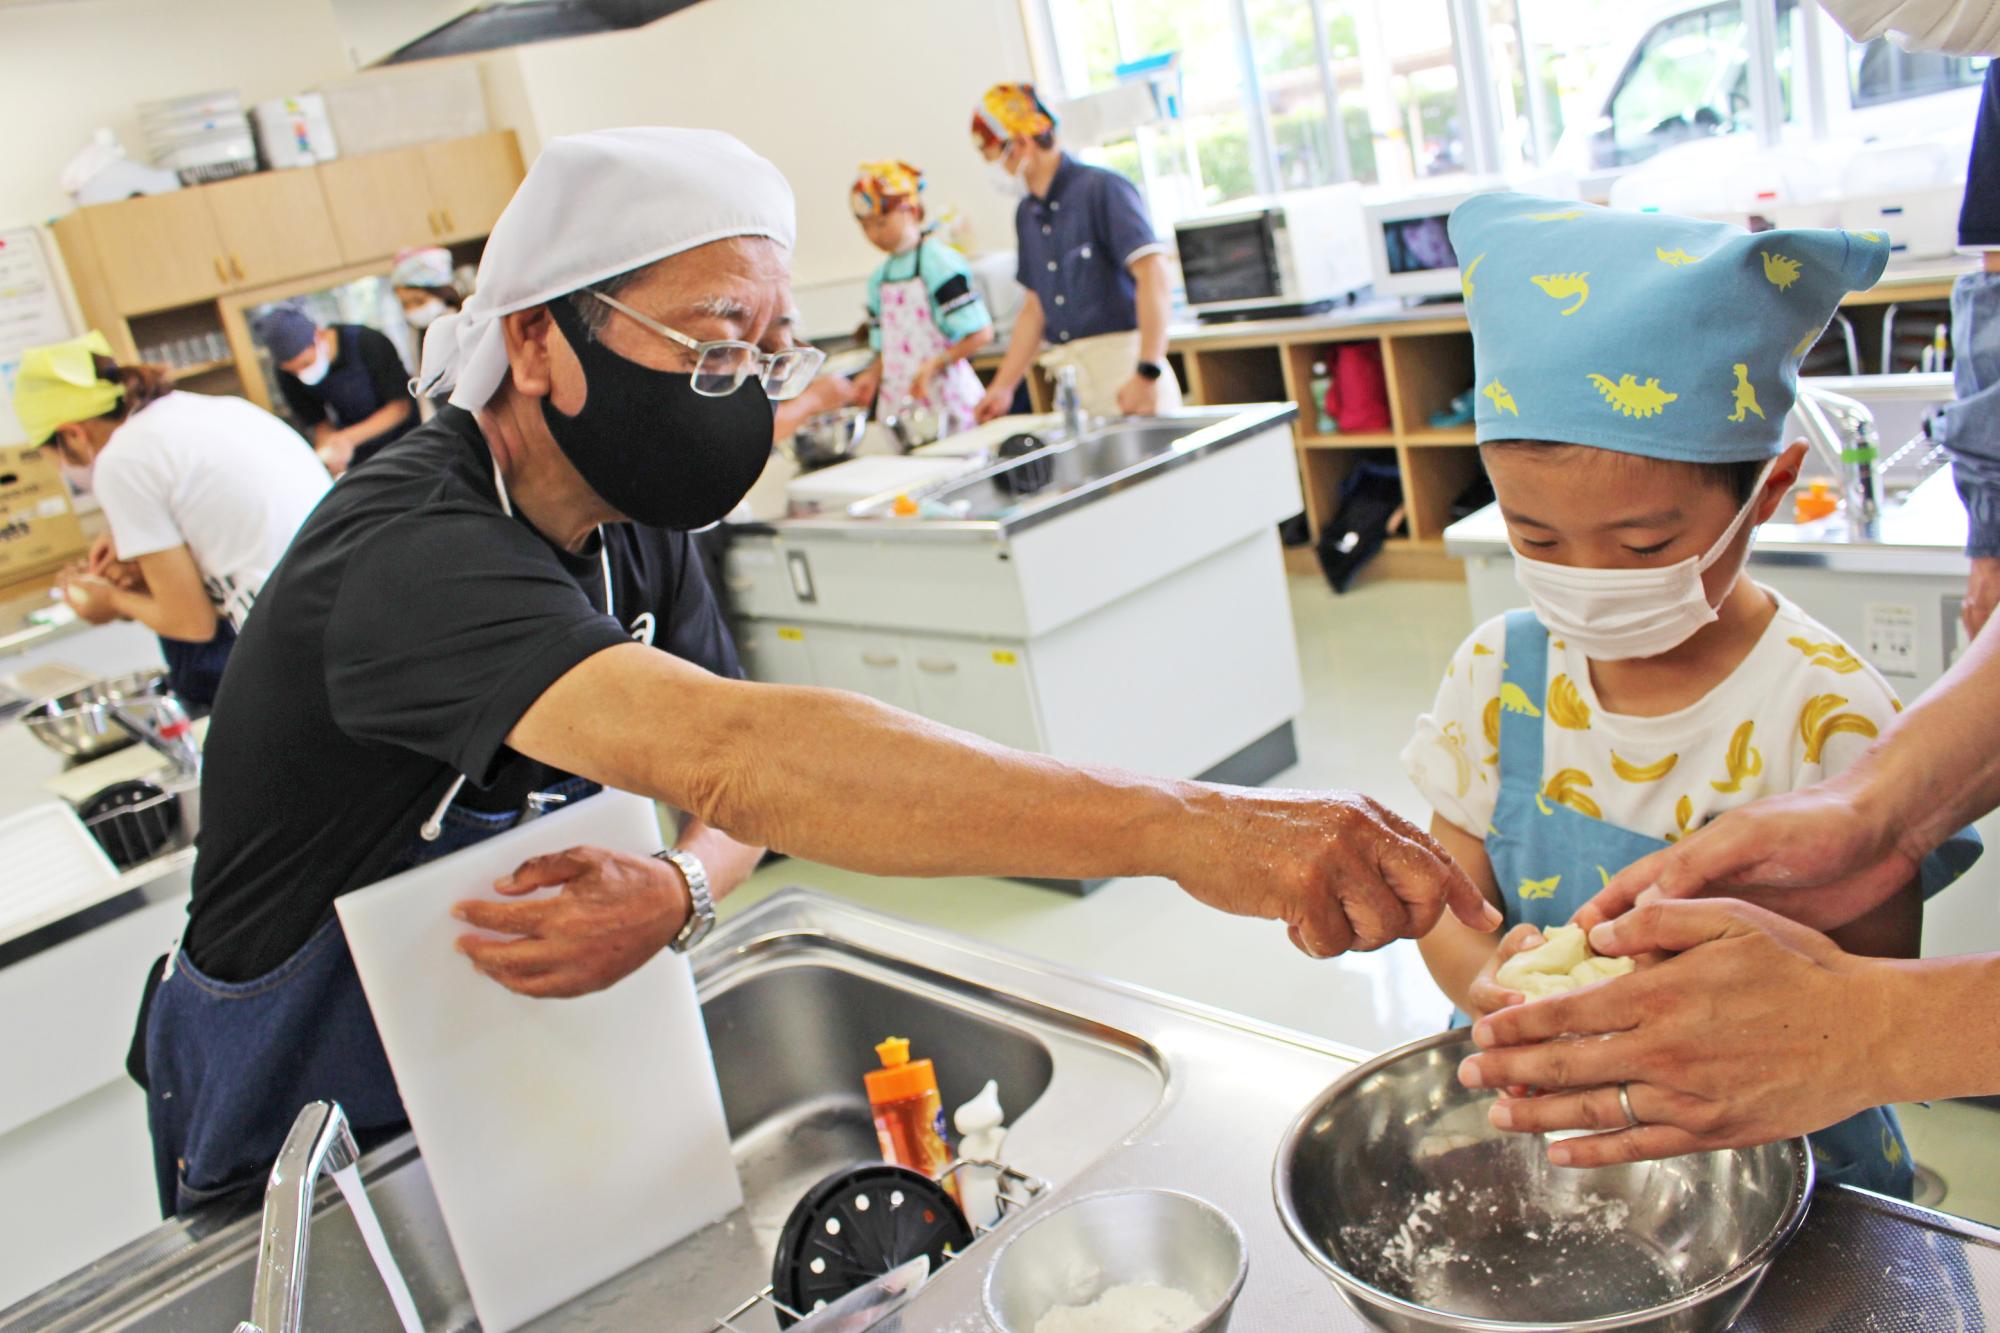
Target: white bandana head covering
(594,206)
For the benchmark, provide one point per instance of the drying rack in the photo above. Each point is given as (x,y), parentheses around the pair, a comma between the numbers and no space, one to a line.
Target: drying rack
(1017,1189)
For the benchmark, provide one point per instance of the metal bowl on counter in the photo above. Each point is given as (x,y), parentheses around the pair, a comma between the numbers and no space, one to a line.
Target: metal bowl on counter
(1122,1238)
(1397,1186)
(830,437)
(78,725)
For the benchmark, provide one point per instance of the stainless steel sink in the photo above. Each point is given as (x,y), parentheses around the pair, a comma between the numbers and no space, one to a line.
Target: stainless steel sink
(793,1018)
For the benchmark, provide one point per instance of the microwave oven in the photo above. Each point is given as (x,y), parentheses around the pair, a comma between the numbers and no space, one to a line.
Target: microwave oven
(1291,254)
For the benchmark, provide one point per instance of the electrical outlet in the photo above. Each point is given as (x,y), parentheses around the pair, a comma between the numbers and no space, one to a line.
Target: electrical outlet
(1891,630)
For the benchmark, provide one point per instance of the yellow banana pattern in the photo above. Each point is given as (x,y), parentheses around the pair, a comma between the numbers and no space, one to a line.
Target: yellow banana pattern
(1836,656)
(1632,398)
(1515,700)
(1539,888)
(1683,816)
(1746,394)
(1566,706)
(1465,278)
(1503,401)
(1676,258)
(1564,789)
(1489,722)
(1481,650)
(1632,772)
(1781,271)
(1562,286)
(1821,720)
(1744,760)
(1452,742)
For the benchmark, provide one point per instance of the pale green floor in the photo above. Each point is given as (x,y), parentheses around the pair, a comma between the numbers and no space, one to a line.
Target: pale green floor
(1371,662)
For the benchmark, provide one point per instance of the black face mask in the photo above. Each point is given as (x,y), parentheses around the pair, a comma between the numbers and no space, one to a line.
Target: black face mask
(649,445)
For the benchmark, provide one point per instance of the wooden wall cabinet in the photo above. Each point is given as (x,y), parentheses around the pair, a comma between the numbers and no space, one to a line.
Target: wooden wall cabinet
(272,226)
(156,251)
(433,194)
(471,180)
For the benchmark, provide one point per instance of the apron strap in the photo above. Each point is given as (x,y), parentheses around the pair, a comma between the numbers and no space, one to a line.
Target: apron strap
(1524,680)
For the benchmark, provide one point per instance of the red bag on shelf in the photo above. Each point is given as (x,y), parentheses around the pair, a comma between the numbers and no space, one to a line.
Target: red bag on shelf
(1359,397)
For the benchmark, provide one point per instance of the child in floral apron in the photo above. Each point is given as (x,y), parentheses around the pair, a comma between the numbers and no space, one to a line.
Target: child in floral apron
(925,317)
(1634,373)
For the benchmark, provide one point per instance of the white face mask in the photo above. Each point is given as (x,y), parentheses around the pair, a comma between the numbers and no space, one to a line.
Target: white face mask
(76,474)
(1008,183)
(315,372)
(1611,615)
(426,314)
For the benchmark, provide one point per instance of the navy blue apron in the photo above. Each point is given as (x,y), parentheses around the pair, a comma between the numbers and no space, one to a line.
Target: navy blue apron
(228,1064)
(1549,859)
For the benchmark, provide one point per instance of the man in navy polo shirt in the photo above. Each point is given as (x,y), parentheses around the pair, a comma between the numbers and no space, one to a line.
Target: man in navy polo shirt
(1098,289)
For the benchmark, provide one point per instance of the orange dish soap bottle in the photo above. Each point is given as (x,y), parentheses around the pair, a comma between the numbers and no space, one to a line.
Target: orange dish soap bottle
(909,1114)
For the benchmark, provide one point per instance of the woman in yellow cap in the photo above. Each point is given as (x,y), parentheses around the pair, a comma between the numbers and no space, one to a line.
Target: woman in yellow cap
(201,493)
(925,318)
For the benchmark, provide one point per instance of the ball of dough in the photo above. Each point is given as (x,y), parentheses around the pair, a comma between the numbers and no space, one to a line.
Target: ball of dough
(1561,962)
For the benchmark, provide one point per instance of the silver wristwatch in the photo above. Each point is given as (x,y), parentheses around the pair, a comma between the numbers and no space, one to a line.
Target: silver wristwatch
(701,907)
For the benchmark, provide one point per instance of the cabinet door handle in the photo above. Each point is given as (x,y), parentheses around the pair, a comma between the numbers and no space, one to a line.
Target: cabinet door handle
(221,271)
(880,659)
(236,266)
(431,220)
(737,583)
(449,225)
(937,666)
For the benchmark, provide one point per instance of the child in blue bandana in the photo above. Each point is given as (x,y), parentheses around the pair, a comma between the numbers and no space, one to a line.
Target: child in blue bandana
(1634,374)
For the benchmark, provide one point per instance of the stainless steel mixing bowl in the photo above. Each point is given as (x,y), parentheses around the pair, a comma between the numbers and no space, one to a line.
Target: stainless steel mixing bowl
(830,437)
(1394,1182)
(1072,1255)
(77,725)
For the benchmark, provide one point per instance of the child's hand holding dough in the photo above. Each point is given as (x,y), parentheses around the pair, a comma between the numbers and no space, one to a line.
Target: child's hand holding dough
(1563,962)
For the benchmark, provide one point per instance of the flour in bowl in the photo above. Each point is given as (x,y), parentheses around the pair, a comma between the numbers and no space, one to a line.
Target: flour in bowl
(1136,1307)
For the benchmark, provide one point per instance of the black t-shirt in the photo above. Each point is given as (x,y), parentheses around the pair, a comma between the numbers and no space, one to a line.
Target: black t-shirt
(395,646)
(367,375)
(1979,215)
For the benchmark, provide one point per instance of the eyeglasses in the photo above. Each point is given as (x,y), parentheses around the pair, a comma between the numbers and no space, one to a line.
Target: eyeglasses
(721,366)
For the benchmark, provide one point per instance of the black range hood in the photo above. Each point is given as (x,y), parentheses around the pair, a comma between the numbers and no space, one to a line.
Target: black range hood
(520,22)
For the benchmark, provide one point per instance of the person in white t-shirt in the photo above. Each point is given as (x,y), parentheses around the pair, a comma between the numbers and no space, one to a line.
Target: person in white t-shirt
(201,493)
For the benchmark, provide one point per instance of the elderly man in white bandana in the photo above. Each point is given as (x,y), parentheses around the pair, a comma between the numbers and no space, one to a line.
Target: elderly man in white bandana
(506,608)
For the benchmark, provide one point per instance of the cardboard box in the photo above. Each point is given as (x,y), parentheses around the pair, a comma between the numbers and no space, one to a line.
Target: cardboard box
(39,530)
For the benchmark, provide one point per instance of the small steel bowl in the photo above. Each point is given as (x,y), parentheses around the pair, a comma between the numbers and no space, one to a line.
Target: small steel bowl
(77,725)
(1071,1255)
(829,437)
(1395,1183)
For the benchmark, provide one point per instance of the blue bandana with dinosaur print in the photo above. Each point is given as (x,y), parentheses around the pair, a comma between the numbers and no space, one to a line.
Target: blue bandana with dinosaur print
(1649,334)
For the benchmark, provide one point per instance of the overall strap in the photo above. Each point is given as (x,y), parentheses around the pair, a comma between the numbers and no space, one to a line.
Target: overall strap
(1523,696)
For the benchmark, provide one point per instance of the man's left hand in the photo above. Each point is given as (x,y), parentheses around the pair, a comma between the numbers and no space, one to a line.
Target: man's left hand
(1139,397)
(614,912)
(1760,1029)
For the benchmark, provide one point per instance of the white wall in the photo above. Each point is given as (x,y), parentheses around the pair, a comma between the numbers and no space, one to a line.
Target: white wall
(817,86)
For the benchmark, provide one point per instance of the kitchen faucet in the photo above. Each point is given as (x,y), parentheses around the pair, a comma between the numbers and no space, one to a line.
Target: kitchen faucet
(320,1144)
(162,723)
(1069,402)
(1843,431)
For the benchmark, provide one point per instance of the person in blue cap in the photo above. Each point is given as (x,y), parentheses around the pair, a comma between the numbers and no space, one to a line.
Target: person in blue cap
(345,384)
(1634,372)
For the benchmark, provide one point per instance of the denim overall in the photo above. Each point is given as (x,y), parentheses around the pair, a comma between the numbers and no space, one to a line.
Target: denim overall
(229,1064)
(1549,860)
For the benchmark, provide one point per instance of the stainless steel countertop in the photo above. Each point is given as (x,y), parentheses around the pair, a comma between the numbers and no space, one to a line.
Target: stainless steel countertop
(1923,535)
(1229,1088)
(1207,435)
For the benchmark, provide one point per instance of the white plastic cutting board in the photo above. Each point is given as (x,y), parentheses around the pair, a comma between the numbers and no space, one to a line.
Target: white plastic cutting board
(566,1139)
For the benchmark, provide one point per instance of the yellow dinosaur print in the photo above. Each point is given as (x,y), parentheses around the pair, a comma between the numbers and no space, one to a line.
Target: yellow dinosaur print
(1489,723)
(1563,790)
(1539,888)
(1465,278)
(1503,401)
(1566,706)
(1632,398)
(1605,876)
(1744,760)
(1746,394)
(1564,216)
(1683,816)
(1874,236)
(1632,772)
(1452,743)
(1806,343)
(1515,700)
(1836,657)
(1676,258)
(1821,720)
(1781,271)
(1564,285)
(1892,1151)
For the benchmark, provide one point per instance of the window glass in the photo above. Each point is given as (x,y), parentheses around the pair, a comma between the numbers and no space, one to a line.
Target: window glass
(1689,79)
(1880,71)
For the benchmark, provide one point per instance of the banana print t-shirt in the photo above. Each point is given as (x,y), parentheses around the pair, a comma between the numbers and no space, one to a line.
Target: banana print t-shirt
(1801,707)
